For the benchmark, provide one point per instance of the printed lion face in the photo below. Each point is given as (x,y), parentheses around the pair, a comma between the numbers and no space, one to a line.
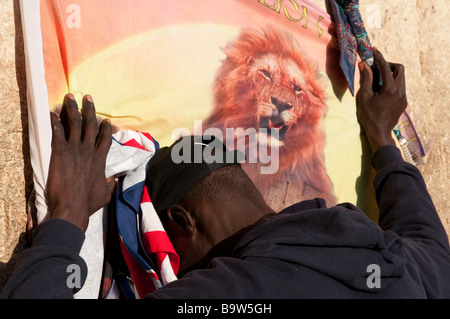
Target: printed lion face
(268,82)
(281,92)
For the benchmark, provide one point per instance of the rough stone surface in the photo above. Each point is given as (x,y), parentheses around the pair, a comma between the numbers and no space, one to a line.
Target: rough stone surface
(413,33)
(15,167)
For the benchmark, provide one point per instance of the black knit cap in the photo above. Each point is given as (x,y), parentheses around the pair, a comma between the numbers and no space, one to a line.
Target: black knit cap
(175,170)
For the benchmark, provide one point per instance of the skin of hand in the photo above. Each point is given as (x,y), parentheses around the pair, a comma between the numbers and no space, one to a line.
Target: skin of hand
(378,112)
(76,185)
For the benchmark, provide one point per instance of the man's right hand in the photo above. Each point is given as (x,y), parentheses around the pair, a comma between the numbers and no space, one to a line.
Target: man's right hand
(76,185)
(378,112)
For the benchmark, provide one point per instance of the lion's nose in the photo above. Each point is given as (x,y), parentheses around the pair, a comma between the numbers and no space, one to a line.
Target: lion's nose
(281,105)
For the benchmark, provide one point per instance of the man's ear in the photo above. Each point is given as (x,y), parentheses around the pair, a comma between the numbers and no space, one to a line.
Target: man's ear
(182,218)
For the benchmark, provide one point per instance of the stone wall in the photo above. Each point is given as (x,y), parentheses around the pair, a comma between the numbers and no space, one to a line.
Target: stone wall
(15,167)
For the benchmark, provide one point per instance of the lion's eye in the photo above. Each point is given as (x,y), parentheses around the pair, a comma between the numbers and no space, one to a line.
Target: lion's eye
(266,74)
(297,88)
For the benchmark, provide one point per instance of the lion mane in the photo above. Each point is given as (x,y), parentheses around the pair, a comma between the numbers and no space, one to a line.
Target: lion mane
(267,81)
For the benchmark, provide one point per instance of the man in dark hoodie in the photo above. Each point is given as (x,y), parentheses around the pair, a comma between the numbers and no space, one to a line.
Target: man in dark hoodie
(231,244)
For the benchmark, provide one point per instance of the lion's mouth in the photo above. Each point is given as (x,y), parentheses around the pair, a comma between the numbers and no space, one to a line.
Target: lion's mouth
(274,122)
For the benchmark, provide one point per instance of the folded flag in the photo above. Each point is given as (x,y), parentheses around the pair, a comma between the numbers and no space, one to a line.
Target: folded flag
(146,249)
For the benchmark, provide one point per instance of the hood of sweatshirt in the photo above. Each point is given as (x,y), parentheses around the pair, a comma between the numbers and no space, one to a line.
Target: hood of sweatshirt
(339,242)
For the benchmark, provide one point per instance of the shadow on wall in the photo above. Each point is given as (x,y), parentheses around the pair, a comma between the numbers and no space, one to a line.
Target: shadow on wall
(6,269)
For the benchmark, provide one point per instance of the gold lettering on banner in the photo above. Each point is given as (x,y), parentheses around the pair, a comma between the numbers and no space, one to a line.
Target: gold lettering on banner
(275,6)
(296,7)
(302,13)
(317,25)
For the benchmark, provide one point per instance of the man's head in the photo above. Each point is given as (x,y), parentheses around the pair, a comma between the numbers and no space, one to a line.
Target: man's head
(202,199)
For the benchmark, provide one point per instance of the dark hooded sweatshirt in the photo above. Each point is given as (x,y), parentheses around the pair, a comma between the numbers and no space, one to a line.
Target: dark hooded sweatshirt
(305,251)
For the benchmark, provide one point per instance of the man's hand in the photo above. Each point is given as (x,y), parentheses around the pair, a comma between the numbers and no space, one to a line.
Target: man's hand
(379,112)
(76,185)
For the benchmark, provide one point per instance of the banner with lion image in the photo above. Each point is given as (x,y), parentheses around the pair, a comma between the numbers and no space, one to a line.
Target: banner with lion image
(158,66)
(266,70)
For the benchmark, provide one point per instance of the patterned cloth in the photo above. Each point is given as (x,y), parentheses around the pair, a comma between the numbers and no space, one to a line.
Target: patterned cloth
(353,39)
(149,256)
